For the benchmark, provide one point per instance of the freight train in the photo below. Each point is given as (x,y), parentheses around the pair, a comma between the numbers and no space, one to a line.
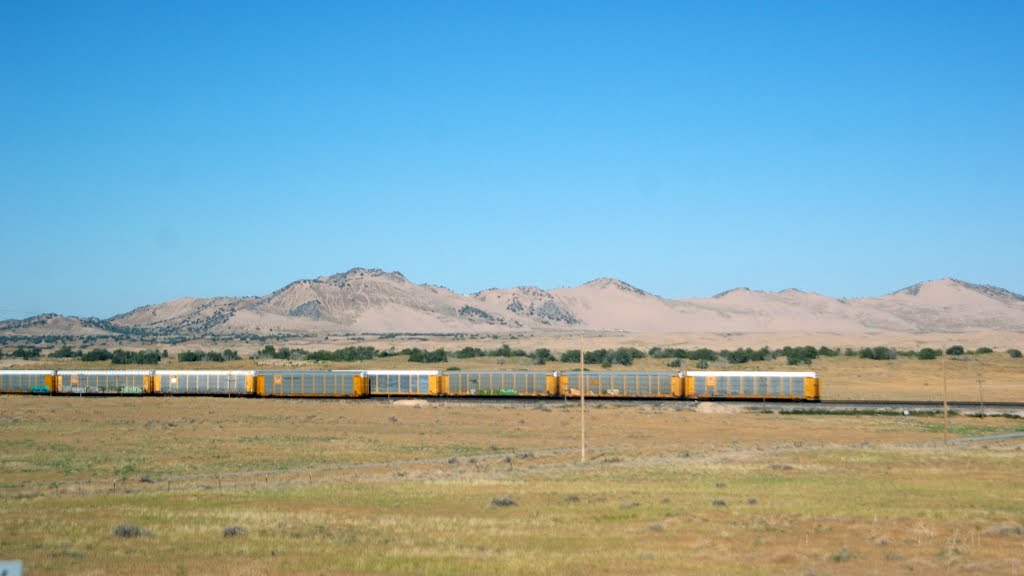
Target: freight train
(700,385)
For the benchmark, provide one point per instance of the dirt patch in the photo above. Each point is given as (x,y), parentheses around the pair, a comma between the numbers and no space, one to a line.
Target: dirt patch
(412,403)
(719,408)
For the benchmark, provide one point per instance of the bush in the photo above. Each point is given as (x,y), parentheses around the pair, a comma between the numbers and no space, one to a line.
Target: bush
(127,531)
(798,355)
(570,356)
(878,353)
(1014,353)
(97,355)
(425,357)
(26,352)
(469,352)
(983,350)
(128,357)
(956,350)
(541,356)
(232,531)
(928,354)
(65,352)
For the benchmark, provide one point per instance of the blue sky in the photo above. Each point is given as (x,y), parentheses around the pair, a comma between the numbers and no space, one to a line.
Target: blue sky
(150,151)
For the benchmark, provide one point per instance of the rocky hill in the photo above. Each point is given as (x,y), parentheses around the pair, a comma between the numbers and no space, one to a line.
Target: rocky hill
(374,301)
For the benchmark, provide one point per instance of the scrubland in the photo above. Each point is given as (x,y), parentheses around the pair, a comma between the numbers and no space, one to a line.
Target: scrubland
(265,486)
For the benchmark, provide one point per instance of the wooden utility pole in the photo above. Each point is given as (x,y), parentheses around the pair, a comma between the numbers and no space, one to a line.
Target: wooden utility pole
(583,407)
(945,404)
(981,394)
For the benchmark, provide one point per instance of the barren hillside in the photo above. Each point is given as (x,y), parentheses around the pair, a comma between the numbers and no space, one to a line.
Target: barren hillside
(374,301)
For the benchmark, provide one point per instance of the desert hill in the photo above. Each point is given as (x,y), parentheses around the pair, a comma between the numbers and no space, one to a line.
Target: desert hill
(374,301)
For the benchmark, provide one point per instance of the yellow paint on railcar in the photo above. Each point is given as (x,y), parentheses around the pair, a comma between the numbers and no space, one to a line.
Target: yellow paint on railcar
(437,385)
(812,388)
(677,386)
(551,384)
(360,385)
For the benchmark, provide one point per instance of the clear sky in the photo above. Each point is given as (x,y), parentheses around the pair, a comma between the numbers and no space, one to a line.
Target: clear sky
(155,150)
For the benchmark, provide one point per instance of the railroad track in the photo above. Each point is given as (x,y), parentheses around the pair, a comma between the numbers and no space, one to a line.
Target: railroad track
(550,402)
(958,405)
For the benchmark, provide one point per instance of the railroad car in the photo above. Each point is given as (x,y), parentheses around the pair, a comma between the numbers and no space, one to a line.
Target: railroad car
(499,383)
(27,381)
(134,382)
(752,386)
(204,382)
(311,383)
(623,384)
(405,382)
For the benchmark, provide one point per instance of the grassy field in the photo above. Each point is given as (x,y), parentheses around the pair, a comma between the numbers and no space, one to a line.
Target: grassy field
(259,486)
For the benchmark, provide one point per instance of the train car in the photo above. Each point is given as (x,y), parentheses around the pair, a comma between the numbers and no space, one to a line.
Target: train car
(499,383)
(405,382)
(204,382)
(623,384)
(311,383)
(27,381)
(126,382)
(803,386)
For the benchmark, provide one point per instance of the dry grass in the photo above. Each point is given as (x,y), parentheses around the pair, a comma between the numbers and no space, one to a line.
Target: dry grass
(273,486)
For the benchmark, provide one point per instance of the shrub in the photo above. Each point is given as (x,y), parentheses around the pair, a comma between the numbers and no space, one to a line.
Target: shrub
(469,352)
(928,354)
(983,350)
(427,357)
(232,531)
(502,502)
(26,352)
(97,355)
(65,352)
(878,353)
(541,356)
(1014,353)
(127,531)
(956,350)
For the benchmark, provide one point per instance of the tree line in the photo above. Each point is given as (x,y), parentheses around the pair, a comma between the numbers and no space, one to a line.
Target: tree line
(606,357)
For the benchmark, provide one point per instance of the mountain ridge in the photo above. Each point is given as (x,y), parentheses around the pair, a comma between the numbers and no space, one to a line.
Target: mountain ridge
(371,300)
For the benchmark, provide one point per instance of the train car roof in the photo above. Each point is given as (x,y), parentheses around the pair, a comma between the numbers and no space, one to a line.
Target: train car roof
(403,372)
(108,372)
(30,372)
(743,373)
(200,372)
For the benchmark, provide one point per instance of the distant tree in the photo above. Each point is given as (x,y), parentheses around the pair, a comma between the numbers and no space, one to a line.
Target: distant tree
(878,353)
(1014,353)
(27,352)
(214,357)
(705,354)
(230,355)
(469,352)
(956,350)
(191,356)
(65,352)
(983,350)
(569,356)
(928,354)
(97,355)
(541,356)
